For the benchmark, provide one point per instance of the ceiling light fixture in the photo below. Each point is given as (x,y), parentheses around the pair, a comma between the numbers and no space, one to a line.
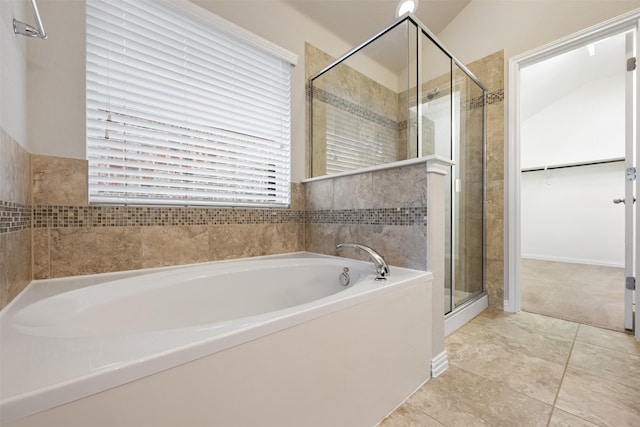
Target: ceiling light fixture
(591,47)
(406,6)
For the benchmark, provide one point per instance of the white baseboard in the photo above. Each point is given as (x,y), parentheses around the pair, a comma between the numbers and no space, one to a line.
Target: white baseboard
(439,364)
(574,260)
(509,307)
(457,319)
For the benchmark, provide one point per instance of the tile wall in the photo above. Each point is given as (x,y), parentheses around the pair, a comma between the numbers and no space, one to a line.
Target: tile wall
(368,208)
(350,104)
(72,238)
(15,218)
(490,71)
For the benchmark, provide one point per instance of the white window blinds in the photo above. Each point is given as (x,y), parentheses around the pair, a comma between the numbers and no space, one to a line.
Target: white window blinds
(182,113)
(355,142)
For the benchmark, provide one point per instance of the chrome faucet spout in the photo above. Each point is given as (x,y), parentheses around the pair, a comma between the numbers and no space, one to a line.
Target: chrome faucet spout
(382,268)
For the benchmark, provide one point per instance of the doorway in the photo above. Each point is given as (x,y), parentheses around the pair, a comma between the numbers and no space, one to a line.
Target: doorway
(572,158)
(571,141)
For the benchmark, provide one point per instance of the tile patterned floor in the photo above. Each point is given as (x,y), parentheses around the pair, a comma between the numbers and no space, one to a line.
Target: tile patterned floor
(530,370)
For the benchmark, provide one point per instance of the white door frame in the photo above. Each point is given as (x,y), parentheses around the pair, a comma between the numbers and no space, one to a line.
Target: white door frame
(512,240)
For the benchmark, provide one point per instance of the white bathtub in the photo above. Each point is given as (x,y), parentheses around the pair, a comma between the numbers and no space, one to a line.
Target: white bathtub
(262,341)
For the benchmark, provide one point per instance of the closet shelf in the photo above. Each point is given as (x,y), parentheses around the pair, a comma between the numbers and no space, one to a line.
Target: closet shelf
(573,165)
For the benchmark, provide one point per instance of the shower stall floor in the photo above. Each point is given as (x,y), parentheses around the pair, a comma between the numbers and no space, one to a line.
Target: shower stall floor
(459,296)
(582,293)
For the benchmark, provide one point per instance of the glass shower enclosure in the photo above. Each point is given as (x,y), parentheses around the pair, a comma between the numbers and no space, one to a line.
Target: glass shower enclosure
(398,96)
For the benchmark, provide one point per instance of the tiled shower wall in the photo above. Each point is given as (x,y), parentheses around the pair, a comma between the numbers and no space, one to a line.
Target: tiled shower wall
(490,71)
(345,97)
(15,218)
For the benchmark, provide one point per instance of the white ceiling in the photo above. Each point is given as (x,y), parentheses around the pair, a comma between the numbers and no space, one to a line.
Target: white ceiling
(546,82)
(355,21)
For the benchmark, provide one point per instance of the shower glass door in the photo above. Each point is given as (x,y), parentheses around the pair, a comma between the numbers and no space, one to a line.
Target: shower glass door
(452,124)
(436,132)
(467,188)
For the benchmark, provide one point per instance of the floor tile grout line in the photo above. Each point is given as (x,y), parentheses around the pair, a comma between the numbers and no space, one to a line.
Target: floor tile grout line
(416,408)
(564,373)
(608,347)
(514,390)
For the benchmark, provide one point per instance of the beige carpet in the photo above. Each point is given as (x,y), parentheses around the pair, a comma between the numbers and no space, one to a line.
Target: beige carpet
(582,293)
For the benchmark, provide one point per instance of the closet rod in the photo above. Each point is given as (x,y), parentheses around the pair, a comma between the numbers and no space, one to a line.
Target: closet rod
(573,165)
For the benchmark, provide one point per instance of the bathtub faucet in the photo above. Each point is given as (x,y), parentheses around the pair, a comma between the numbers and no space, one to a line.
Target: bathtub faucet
(382,268)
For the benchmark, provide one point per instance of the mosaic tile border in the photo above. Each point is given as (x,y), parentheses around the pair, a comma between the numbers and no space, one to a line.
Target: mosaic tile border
(14,217)
(478,102)
(491,98)
(353,108)
(348,106)
(385,216)
(496,96)
(127,216)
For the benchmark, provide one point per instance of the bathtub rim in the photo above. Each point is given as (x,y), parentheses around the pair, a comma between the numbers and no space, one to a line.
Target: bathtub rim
(29,295)
(107,295)
(27,403)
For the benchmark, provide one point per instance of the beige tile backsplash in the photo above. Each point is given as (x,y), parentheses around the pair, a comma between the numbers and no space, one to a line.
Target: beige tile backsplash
(75,251)
(72,238)
(59,181)
(15,227)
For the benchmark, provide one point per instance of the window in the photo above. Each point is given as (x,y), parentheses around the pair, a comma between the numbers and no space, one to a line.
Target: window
(183,112)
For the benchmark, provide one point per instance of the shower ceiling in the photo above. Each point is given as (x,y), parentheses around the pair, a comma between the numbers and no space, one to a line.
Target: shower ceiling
(356,20)
(372,16)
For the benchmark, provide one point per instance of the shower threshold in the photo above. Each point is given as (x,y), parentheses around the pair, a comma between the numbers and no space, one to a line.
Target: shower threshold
(465,312)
